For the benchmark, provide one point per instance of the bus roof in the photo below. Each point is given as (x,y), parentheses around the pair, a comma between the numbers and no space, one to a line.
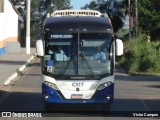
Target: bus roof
(81,23)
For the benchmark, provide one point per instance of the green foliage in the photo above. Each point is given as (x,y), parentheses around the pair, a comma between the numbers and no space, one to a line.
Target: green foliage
(36,26)
(34,31)
(149,12)
(61,4)
(111,8)
(141,56)
(148,15)
(92,6)
(20,73)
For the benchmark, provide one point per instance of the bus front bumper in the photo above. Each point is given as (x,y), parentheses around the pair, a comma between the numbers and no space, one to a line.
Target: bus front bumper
(100,96)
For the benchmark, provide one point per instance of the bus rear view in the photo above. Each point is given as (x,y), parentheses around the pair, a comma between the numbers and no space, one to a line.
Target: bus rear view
(77,53)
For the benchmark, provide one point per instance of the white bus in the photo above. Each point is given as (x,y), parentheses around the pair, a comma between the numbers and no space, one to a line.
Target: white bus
(77,52)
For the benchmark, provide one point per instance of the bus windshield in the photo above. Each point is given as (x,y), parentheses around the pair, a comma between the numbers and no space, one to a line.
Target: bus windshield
(82,54)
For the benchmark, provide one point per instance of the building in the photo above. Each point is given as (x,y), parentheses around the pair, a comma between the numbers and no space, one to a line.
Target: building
(9,30)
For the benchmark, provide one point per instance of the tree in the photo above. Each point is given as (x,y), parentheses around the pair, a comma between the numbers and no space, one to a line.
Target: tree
(111,8)
(39,9)
(149,17)
(92,6)
(58,4)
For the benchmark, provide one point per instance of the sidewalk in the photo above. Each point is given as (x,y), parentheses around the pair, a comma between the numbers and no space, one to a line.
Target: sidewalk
(10,63)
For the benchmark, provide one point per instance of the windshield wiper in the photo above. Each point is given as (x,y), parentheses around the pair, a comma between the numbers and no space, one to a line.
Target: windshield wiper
(66,66)
(88,66)
(68,63)
(86,62)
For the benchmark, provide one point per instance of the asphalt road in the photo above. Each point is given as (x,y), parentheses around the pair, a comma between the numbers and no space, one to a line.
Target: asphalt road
(132,94)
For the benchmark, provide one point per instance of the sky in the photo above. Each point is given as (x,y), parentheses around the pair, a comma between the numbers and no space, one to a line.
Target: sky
(77,4)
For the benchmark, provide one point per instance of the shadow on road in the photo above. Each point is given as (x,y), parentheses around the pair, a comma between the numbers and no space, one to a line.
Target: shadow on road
(2,92)
(24,101)
(138,78)
(21,101)
(121,75)
(154,86)
(9,62)
(136,105)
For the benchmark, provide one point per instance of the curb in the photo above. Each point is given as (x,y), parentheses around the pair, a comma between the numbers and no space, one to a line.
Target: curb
(14,75)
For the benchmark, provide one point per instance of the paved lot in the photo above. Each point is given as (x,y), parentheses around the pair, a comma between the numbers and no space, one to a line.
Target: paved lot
(10,63)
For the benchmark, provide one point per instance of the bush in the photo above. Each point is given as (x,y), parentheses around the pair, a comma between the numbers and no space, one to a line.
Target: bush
(140,56)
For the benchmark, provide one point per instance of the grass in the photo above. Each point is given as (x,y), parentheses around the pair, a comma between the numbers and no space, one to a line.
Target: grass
(20,73)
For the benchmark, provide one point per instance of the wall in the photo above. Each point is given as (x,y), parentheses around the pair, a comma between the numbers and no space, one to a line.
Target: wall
(2,32)
(9,30)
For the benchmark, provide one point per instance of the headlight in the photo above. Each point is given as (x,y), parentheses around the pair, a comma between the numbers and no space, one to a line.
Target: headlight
(104,85)
(52,85)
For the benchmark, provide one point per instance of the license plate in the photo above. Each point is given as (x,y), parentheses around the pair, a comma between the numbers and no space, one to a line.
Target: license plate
(76,96)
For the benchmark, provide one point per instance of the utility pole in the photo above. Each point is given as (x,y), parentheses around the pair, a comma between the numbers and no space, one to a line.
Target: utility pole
(28,41)
(136,18)
(129,10)
(136,5)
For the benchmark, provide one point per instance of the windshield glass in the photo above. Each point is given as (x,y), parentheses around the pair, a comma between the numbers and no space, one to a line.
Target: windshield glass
(84,54)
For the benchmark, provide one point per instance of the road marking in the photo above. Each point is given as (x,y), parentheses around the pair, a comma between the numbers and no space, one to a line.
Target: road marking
(145,105)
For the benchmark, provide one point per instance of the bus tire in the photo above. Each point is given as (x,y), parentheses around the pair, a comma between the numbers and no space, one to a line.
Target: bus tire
(105,107)
(47,107)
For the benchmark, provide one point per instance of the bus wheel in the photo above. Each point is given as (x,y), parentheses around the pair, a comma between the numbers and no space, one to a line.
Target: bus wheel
(105,107)
(47,107)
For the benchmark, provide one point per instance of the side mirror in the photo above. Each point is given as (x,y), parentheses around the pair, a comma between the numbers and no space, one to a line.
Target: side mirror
(39,48)
(119,47)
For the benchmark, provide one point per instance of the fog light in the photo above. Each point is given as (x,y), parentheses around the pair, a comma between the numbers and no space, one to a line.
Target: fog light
(108,97)
(46,97)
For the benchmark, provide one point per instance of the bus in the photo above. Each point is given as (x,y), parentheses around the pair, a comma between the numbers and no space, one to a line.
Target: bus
(77,52)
